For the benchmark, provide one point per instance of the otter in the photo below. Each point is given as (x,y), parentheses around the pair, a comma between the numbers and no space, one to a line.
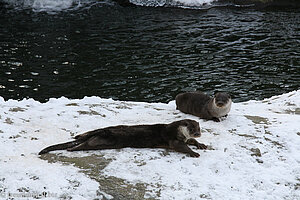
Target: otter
(175,136)
(204,106)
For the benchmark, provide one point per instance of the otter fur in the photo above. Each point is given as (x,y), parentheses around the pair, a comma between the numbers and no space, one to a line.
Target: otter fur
(175,135)
(204,106)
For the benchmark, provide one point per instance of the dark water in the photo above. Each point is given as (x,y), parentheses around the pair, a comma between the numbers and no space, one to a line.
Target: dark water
(148,54)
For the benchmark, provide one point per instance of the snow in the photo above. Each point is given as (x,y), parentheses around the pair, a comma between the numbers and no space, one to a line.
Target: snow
(253,153)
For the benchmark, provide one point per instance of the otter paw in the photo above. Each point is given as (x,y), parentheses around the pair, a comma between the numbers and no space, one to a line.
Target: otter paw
(195,155)
(201,146)
(216,119)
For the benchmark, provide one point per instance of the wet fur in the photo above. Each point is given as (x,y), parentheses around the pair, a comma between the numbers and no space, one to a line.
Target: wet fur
(174,136)
(204,106)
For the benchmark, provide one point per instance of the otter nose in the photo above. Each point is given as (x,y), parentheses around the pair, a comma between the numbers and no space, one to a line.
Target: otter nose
(197,134)
(220,104)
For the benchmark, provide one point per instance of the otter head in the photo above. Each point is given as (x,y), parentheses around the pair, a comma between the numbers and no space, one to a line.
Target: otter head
(187,129)
(222,99)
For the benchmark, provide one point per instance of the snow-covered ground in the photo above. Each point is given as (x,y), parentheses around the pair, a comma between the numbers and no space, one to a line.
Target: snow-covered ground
(253,154)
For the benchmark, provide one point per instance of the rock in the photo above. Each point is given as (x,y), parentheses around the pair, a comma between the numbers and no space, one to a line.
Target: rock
(255,152)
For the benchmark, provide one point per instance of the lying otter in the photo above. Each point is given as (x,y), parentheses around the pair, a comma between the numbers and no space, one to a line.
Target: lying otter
(204,106)
(174,136)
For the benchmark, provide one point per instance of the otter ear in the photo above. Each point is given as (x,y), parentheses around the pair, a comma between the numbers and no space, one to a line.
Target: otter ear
(187,122)
(228,95)
(215,92)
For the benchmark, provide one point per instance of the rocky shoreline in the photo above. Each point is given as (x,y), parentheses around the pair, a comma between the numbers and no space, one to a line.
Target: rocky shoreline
(265,3)
(243,3)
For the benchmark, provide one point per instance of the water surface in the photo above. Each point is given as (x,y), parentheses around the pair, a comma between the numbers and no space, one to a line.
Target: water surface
(98,48)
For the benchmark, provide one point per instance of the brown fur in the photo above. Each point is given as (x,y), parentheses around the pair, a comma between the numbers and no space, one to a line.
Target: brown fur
(204,106)
(175,135)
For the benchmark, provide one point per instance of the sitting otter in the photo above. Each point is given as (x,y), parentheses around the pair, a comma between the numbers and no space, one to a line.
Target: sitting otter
(204,106)
(174,136)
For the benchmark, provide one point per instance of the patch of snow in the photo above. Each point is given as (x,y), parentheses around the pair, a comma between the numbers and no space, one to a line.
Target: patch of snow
(253,154)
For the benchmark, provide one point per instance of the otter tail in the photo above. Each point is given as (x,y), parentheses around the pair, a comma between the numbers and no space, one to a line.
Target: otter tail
(61,146)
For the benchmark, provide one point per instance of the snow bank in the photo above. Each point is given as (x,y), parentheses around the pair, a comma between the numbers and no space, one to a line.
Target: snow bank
(253,154)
